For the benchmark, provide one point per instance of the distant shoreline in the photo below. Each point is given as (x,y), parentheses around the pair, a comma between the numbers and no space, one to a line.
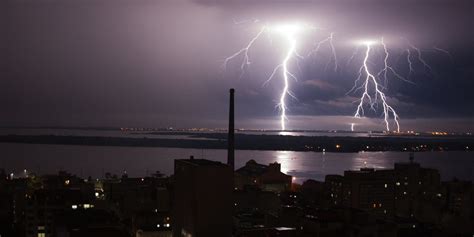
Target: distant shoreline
(165,131)
(263,142)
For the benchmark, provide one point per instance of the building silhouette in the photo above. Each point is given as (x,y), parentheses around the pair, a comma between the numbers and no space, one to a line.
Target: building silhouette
(265,177)
(202,202)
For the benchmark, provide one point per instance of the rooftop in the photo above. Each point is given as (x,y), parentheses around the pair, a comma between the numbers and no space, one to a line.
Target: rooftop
(252,168)
(201,162)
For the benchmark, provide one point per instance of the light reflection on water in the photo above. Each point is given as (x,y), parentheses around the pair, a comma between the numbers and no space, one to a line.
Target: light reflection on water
(95,160)
(287,133)
(285,158)
(377,160)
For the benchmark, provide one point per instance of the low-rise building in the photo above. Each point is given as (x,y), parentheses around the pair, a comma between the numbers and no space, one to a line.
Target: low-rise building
(266,177)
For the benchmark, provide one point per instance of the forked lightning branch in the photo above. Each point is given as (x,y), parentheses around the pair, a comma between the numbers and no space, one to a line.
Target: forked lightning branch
(371,84)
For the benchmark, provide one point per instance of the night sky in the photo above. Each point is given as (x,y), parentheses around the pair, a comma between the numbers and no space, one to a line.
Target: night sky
(146,63)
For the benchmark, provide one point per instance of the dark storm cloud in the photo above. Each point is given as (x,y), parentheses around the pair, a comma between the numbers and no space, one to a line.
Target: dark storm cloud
(158,63)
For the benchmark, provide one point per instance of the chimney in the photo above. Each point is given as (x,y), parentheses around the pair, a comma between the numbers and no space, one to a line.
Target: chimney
(230,138)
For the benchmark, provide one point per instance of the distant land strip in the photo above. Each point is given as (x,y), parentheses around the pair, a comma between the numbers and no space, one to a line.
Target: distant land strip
(262,142)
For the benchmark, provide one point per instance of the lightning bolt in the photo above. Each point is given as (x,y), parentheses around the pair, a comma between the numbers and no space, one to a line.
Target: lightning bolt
(286,74)
(356,50)
(244,51)
(419,57)
(410,63)
(288,32)
(387,68)
(239,22)
(444,51)
(370,84)
(329,41)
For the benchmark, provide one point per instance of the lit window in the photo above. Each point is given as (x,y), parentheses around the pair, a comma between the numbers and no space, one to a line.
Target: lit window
(41,235)
(414,226)
(404,193)
(439,194)
(87,206)
(386,185)
(67,181)
(74,207)
(157,225)
(397,183)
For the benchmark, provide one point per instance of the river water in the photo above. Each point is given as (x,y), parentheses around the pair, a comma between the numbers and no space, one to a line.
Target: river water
(138,161)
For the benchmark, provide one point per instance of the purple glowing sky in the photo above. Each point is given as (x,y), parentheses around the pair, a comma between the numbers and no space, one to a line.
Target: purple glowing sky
(158,63)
